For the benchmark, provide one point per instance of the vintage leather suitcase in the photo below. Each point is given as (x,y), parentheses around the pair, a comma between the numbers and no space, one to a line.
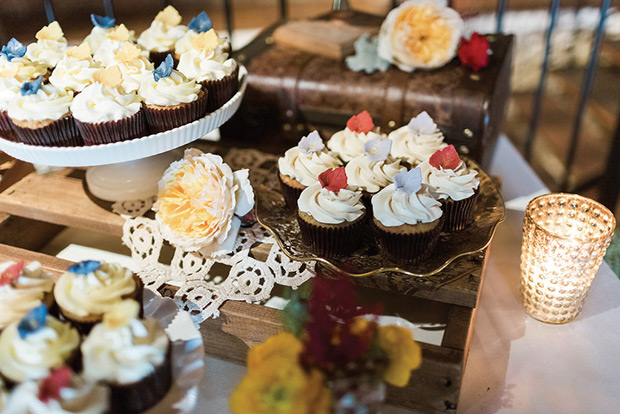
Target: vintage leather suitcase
(291,92)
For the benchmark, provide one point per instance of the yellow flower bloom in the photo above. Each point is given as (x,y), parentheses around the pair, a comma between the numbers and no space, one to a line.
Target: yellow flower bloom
(284,345)
(420,34)
(281,387)
(403,352)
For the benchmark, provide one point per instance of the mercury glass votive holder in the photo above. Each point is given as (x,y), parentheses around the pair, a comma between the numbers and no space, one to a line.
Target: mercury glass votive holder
(565,237)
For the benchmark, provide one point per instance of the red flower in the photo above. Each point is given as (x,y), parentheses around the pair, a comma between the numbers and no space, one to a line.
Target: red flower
(474,52)
(50,387)
(333,179)
(11,273)
(447,158)
(361,123)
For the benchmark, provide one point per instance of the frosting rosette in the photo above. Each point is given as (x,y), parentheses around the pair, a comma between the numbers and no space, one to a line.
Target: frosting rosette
(331,207)
(163,32)
(349,143)
(206,60)
(48,102)
(458,183)
(50,45)
(418,140)
(75,70)
(200,202)
(420,34)
(171,90)
(374,169)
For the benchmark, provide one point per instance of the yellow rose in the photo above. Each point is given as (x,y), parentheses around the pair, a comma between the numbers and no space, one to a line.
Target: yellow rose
(284,345)
(402,351)
(420,34)
(200,201)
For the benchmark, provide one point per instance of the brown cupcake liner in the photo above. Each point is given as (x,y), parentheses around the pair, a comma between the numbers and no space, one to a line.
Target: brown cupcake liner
(459,213)
(409,248)
(60,133)
(332,241)
(6,130)
(124,129)
(161,118)
(290,194)
(143,394)
(158,57)
(221,90)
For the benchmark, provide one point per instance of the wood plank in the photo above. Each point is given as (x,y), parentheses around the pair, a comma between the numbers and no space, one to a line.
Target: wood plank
(26,233)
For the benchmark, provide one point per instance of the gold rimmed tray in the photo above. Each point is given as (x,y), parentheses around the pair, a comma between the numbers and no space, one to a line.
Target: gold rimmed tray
(489,211)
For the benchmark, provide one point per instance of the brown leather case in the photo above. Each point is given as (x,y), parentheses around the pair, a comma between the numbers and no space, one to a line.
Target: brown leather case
(291,92)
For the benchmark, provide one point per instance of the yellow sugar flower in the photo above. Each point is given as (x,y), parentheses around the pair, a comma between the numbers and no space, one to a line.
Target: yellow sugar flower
(403,352)
(110,77)
(420,34)
(283,345)
(81,52)
(169,16)
(50,32)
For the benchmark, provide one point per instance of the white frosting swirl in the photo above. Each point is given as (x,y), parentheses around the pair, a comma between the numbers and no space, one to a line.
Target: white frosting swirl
(457,184)
(126,354)
(160,37)
(134,72)
(203,65)
(184,44)
(171,90)
(107,52)
(9,89)
(350,144)
(48,103)
(413,147)
(94,293)
(98,35)
(79,397)
(328,207)
(97,103)
(306,168)
(73,73)
(26,70)
(47,51)
(24,293)
(395,208)
(32,357)
(372,176)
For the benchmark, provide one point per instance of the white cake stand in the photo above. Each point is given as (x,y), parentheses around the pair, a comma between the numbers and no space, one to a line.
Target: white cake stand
(118,178)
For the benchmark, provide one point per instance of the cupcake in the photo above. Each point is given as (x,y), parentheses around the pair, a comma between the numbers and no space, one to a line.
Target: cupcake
(22,288)
(407,220)
(112,43)
(9,90)
(130,355)
(171,99)
(208,63)
(50,46)
(417,141)
(301,166)
(39,343)
(331,215)
(159,39)
(373,170)
(349,143)
(62,391)
(90,288)
(105,113)
(75,70)
(199,24)
(134,66)
(455,185)
(103,27)
(40,115)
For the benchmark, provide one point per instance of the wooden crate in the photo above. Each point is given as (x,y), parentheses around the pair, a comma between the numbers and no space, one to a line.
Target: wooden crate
(36,207)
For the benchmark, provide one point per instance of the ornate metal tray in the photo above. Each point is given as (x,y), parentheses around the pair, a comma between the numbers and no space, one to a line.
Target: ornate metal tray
(368,259)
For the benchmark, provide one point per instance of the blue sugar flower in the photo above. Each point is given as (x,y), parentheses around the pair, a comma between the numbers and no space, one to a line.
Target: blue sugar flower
(13,49)
(409,182)
(377,149)
(200,23)
(31,88)
(33,321)
(366,56)
(311,143)
(85,267)
(103,22)
(164,69)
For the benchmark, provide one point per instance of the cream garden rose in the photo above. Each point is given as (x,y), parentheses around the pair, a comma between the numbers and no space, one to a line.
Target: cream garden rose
(420,34)
(200,201)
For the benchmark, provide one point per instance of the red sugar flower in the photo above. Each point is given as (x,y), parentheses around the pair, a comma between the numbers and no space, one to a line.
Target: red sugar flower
(447,158)
(475,51)
(11,273)
(333,179)
(361,123)
(50,387)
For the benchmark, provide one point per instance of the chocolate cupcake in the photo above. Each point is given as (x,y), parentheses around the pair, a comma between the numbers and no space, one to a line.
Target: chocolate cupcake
(40,115)
(159,39)
(331,215)
(130,355)
(208,62)
(171,100)
(90,288)
(455,185)
(407,220)
(301,166)
(105,113)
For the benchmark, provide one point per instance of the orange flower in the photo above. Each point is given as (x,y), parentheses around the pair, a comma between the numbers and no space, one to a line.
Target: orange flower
(283,345)
(420,34)
(403,352)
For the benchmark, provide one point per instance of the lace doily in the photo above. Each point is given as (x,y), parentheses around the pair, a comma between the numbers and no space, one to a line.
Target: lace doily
(203,284)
